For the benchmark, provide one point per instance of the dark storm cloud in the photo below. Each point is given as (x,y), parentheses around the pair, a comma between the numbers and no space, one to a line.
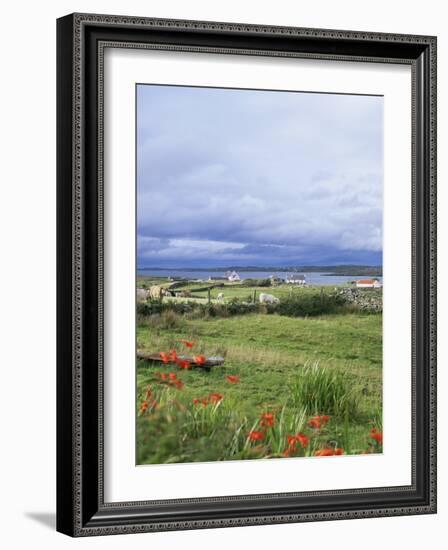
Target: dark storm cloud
(257,177)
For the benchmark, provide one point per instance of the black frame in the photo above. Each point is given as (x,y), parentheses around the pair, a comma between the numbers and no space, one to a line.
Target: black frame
(81,39)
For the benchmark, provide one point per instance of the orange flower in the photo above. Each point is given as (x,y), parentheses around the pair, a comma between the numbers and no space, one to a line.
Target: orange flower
(173,355)
(267,420)
(187,343)
(376,435)
(318,421)
(302,439)
(179,384)
(183,364)
(203,401)
(324,452)
(256,435)
(164,356)
(314,423)
(199,359)
(327,451)
(233,378)
(172,376)
(144,406)
(215,397)
(292,443)
(163,376)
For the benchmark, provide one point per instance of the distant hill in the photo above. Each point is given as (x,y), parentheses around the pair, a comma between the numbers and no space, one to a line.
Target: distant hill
(348,270)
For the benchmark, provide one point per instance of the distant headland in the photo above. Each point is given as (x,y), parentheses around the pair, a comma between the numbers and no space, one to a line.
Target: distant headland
(347,270)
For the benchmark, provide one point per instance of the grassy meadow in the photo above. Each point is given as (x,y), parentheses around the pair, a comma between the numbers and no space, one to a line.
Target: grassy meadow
(292,384)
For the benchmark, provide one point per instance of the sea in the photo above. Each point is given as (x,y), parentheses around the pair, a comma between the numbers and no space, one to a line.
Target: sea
(312,278)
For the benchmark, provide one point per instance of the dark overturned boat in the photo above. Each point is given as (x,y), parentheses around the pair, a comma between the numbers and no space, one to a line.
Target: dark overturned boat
(207,363)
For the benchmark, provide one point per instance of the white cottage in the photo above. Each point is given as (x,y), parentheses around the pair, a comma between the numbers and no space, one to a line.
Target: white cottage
(295,279)
(233,277)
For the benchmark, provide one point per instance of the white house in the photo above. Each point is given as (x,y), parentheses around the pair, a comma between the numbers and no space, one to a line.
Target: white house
(233,276)
(295,279)
(368,283)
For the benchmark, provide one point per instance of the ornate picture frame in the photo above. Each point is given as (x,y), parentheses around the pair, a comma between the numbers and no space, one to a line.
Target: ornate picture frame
(81,506)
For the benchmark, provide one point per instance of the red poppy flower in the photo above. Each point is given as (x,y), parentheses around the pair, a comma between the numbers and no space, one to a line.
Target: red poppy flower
(302,439)
(324,452)
(315,423)
(233,378)
(179,384)
(163,376)
(318,421)
(173,355)
(200,359)
(204,402)
(187,343)
(183,364)
(172,376)
(164,356)
(144,406)
(292,444)
(215,397)
(196,401)
(339,451)
(376,435)
(267,419)
(256,435)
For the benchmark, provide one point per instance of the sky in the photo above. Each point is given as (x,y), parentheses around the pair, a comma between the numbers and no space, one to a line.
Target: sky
(262,178)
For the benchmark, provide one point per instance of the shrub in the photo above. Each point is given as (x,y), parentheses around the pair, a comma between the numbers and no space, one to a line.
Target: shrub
(166,320)
(196,310)
(300,305)
(257,282)
(323,390)
(156,307)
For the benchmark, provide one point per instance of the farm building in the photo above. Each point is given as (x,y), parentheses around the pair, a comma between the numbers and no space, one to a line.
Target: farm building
(368,283)
(233,276)
(295,279)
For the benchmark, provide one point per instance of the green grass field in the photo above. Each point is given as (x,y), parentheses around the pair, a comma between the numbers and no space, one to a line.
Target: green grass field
(273,358)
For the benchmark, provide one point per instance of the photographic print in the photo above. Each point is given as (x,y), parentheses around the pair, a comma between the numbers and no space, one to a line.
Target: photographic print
(258,274)
(234,204)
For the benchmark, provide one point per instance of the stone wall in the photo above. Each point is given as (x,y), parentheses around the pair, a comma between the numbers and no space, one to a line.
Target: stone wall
(370,299)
